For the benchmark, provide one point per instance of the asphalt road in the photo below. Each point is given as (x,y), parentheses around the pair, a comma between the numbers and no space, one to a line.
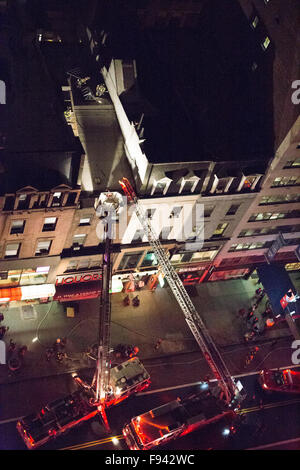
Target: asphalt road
(270,421)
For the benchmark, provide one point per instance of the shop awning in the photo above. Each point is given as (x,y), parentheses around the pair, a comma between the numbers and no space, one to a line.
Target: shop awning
(78,291)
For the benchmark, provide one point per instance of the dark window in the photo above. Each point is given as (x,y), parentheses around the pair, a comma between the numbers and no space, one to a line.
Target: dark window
(233,209)
(130,260)
(49,224)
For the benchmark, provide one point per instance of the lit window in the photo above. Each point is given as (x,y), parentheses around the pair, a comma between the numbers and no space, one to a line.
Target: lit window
(49,224)
(85,221)
(79,239)
(255,22)
(149,260)
(220,230)
(43,247)
(17,226)
(12,250)
(266,43)
(176,258)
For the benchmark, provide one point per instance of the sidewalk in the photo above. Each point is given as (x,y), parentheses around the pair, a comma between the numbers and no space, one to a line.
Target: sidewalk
(157,318)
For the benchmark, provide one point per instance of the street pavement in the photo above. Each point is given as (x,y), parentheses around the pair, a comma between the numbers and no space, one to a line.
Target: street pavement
(267,419)
(157,326)
(177,360)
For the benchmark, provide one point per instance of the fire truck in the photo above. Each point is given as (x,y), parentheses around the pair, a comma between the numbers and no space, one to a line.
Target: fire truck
(55,419)
(110,385)
(175,419)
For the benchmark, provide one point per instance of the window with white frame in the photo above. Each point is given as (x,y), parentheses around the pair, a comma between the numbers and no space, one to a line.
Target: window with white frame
(17,226)
(85,221)
(49,224)
(188,185)
(79,239)
(161,186)
(43,247)
(12,250)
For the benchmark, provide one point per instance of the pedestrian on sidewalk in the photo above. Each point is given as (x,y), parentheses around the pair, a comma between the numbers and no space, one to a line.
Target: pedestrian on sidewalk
(158,343)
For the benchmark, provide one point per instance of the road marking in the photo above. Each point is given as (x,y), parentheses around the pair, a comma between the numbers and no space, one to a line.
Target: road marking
(5,421)
(279,443)
(85,445)
(247,374)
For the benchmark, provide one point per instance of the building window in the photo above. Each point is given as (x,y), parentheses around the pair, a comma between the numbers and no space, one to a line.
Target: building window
(57,198)
(23,201)
(176,258)
(149,260)
(43,247)
(85,221)
(292,163)
(12,250)
(188,185)
(254,22)
(72,266)
(175,212)
(79,239)
(279,199)
(130,260)
(232,209)
(204,255)
(161,186)
(250,246)
(49,224)
(265,44)
(17,226)
(208,211)
(286,181)
(220,230)
(274,216)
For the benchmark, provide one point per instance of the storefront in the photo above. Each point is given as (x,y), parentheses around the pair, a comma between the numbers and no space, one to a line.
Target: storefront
(78,286)
(13,294)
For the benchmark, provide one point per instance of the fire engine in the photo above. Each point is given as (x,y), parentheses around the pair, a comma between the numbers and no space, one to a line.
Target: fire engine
(110,385)
(175,419)
(55,418)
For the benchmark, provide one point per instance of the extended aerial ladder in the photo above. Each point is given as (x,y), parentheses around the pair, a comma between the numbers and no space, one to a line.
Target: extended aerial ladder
(193,319)
(102,373)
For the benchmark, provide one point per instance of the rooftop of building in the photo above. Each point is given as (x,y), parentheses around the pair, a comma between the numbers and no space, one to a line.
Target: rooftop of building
(209,104)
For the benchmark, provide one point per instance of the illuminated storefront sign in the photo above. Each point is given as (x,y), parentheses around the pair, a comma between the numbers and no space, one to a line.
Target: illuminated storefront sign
(27,292)
(78,278)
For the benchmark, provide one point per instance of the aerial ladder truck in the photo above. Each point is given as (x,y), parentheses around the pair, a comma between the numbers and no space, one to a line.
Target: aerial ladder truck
(230,390)
(110,385)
